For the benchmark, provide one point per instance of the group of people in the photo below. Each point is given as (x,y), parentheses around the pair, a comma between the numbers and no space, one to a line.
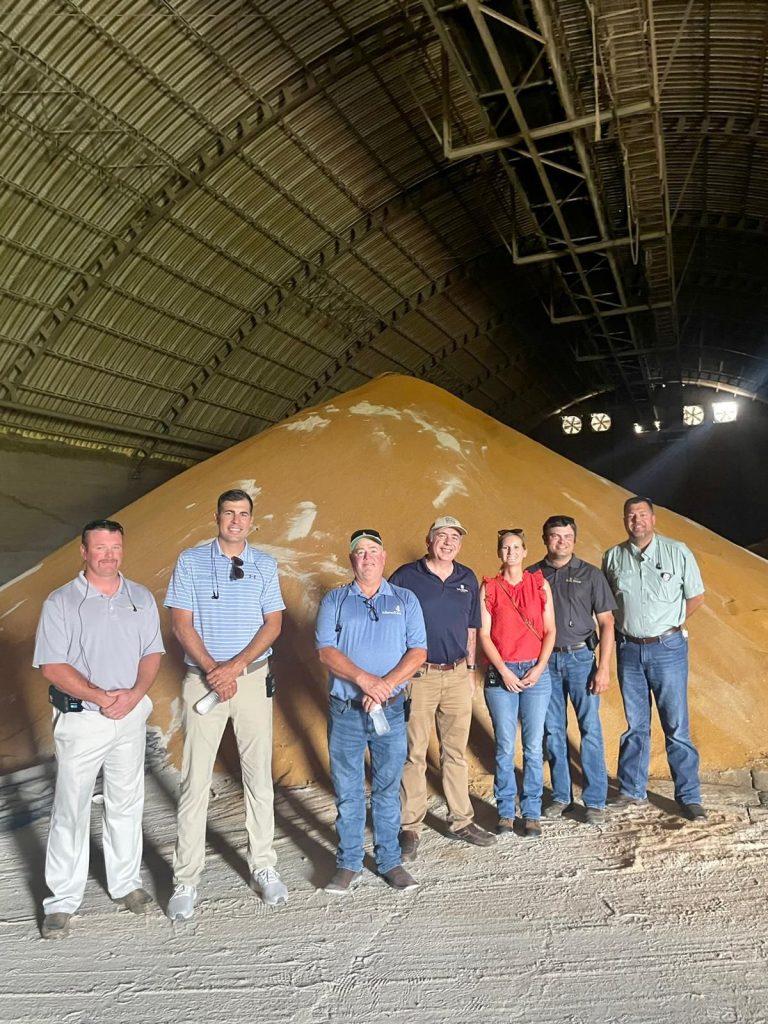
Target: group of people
(401,655)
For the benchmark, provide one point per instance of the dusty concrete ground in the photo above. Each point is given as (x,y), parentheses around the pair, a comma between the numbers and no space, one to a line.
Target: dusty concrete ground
(648,918)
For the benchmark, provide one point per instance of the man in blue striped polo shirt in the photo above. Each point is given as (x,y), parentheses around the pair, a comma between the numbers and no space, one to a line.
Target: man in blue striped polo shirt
(226,612)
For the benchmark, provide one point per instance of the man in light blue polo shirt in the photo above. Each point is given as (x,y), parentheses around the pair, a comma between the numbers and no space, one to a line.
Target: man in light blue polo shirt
(371,637)
(657,586)
(226,612)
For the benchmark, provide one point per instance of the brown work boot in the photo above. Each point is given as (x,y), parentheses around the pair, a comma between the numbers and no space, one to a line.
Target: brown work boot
(531,828)
(475,835)
(505,827)
(409,844)
(342,882)
(400,879)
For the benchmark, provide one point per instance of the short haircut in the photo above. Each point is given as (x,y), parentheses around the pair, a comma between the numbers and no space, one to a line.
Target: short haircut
(559,521)
(99,524)
(516,532)
(233,495)
(637,499)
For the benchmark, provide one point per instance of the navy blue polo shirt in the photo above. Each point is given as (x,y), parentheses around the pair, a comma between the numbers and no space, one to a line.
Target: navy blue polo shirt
(450,607)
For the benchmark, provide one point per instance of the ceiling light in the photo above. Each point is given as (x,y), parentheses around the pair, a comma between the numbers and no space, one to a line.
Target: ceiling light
(657,424)
(724,412)
(693,415)
(638,428)
(600,422)
(571,424)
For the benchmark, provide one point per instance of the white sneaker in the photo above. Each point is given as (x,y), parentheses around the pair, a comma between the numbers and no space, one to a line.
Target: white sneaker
(270,887)
(181,905)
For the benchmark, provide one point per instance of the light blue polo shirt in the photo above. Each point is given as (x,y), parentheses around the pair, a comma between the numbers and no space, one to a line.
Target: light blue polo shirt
(228,622)
(344,621)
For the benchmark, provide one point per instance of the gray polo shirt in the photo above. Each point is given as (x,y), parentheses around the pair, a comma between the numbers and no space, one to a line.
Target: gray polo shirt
(651,586)
(579,591)
(104,638)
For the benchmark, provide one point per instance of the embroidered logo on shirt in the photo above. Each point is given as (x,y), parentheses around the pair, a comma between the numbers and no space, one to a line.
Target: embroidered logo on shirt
(462,589)
(397,610)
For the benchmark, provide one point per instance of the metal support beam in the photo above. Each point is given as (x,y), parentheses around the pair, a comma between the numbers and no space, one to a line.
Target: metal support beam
(547,131)
(620,311)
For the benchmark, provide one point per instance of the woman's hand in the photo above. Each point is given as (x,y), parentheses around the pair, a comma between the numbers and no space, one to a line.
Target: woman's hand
(531,677)
(510,680)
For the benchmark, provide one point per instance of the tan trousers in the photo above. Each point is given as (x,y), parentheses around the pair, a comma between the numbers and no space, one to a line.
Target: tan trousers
(445,697)
(251,713)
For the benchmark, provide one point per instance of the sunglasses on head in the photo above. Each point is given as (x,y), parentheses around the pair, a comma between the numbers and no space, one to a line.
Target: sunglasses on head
(236,571)
(514,529)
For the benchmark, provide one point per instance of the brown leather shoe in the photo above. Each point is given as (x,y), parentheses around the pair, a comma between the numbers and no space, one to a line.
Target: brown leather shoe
(400,879)
(506,827)
(55,926)
(531,828)
(409,844)
(475,835)
(342,881)
(136,901)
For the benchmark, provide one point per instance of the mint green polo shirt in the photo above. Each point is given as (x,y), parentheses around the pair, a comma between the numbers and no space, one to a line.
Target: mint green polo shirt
(651,586)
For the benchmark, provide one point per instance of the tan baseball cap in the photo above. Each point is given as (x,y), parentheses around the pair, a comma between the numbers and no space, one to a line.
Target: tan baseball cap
(447,521)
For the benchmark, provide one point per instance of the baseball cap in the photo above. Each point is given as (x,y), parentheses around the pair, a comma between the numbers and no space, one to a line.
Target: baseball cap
(359,535)
(447,521)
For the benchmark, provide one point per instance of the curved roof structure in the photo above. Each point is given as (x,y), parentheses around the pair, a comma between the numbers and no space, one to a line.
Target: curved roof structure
(218,212)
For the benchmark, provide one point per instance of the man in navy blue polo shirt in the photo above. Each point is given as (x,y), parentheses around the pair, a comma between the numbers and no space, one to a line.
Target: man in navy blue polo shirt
(448,595)
(370,636)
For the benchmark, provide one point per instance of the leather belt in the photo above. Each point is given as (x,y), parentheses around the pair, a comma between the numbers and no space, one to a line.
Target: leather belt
(651,639)
(570,647)
(447,667)
(253,667)
(385,703)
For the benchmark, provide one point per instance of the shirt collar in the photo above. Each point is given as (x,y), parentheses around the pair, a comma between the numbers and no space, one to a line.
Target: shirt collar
(216,549)
(385,589)
(648,552)
(88,590)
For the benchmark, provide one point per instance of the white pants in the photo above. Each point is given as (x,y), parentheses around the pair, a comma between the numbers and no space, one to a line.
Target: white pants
(85,742)
(251,713)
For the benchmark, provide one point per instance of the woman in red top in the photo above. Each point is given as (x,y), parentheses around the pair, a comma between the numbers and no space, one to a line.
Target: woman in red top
(517,636)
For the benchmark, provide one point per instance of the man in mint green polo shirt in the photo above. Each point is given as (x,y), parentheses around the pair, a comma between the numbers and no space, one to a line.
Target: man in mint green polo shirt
(657,585)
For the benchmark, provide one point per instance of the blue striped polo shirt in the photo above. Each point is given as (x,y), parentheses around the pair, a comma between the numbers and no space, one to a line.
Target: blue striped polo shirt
(229,622)
(375,644)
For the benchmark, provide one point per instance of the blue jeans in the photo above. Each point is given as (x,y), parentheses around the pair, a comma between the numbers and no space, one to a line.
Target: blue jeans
(660,670)
(571,673)
(505,708)
(350,733)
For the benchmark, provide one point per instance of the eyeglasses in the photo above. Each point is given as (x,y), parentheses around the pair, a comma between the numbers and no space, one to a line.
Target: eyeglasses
(513,529)
(237,571)
(372,613)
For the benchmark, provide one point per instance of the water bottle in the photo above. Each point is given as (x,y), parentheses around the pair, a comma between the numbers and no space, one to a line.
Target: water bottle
(207,703)
(379,719)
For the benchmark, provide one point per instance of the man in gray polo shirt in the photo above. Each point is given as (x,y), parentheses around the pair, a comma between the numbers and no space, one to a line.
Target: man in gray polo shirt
(657,586)
(580,594)
(98,643)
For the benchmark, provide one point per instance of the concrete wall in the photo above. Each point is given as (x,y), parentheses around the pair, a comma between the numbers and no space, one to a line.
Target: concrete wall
(47,493)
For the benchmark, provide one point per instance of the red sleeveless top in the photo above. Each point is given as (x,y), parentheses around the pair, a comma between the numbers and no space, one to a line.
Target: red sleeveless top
(511,606)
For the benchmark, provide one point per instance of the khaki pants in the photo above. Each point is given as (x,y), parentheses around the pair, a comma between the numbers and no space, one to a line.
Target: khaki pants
(251,713)
(447,698)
